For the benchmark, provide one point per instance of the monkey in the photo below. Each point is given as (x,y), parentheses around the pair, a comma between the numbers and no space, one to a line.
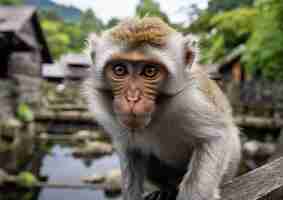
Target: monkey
(171,124)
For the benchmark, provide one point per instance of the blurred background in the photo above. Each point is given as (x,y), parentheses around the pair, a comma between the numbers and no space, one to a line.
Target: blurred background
(51,146)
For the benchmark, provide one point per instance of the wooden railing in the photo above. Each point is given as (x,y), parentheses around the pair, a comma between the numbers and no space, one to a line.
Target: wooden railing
(256,184)
(256,98)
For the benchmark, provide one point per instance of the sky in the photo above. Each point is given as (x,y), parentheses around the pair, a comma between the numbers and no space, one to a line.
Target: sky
(106,9)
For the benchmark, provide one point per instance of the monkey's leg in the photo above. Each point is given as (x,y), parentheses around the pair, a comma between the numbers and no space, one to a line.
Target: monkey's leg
(133,174)
(209,163)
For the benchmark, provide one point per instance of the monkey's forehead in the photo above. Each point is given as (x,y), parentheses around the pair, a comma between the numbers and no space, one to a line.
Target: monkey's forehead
(135,31)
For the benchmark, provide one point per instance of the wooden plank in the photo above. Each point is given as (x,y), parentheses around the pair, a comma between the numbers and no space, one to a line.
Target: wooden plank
(67,116)
(277,194)
(255,184)
(258,122)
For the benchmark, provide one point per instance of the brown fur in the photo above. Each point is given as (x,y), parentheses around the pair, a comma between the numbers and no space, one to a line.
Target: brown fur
(149,30)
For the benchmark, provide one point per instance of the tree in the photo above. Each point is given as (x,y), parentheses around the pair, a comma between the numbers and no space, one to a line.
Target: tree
(11,2)
(224,32)
(216,6)
(150,8)
(223,26)
(235,26)
(265,47)
(90,23)
(56,38)
(201,24)
(76,35)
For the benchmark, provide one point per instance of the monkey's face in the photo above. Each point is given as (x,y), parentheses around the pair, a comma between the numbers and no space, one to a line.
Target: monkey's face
(135,82)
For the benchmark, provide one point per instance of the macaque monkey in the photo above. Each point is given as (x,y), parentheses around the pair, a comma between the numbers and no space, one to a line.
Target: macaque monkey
(170,123)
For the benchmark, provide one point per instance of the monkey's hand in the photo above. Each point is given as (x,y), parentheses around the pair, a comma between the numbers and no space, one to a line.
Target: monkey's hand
(162,195)
(208,165)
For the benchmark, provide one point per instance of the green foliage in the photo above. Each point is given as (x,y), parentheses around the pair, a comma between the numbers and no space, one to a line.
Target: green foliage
(64,37)
(237,22)
(24,113)
(215,6)
(256,25)
(202,24)
(90,23)
(213,49)
(227,31)
(11,2)
(265,47)
(150,8)
(57,39)
(27,179)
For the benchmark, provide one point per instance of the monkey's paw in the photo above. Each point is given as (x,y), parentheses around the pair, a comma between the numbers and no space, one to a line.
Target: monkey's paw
(161,195)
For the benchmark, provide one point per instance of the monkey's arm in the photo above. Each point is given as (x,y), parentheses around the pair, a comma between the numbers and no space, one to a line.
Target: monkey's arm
(133,173)
(207,167)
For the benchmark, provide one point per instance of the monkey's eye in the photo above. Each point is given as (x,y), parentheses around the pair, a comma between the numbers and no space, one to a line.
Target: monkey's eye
(120,70)
(150,71)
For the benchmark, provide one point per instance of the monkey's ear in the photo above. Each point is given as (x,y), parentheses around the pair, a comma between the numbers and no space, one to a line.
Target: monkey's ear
(92,44)
(191,50)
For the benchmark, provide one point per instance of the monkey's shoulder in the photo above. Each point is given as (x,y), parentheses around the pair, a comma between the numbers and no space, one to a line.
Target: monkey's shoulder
(211,91)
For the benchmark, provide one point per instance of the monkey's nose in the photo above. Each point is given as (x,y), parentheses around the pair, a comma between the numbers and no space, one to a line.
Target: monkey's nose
(133,96)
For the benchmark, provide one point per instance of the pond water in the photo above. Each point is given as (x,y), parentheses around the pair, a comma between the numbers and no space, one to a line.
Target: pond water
(61,167)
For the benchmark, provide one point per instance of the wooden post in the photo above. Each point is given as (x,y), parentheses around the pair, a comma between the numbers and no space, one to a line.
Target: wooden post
(278,193)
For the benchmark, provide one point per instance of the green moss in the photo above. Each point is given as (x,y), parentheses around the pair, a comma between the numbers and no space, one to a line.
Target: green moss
(24,113)
(27,179)
(4,147)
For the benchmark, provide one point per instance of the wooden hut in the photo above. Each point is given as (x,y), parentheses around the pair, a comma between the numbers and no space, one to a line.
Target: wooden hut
(76,65)
(70,66)
(20,33)
(23,50)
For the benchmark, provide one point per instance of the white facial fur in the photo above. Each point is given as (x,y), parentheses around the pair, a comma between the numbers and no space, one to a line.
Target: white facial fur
(172,55)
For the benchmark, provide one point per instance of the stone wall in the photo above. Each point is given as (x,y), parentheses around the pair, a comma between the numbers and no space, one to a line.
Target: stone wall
(24,68)
(16,144)
(21,86)
(66,93)
(8,96)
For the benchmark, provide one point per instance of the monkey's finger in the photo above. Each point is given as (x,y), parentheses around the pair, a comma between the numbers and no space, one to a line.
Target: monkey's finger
(153,196)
